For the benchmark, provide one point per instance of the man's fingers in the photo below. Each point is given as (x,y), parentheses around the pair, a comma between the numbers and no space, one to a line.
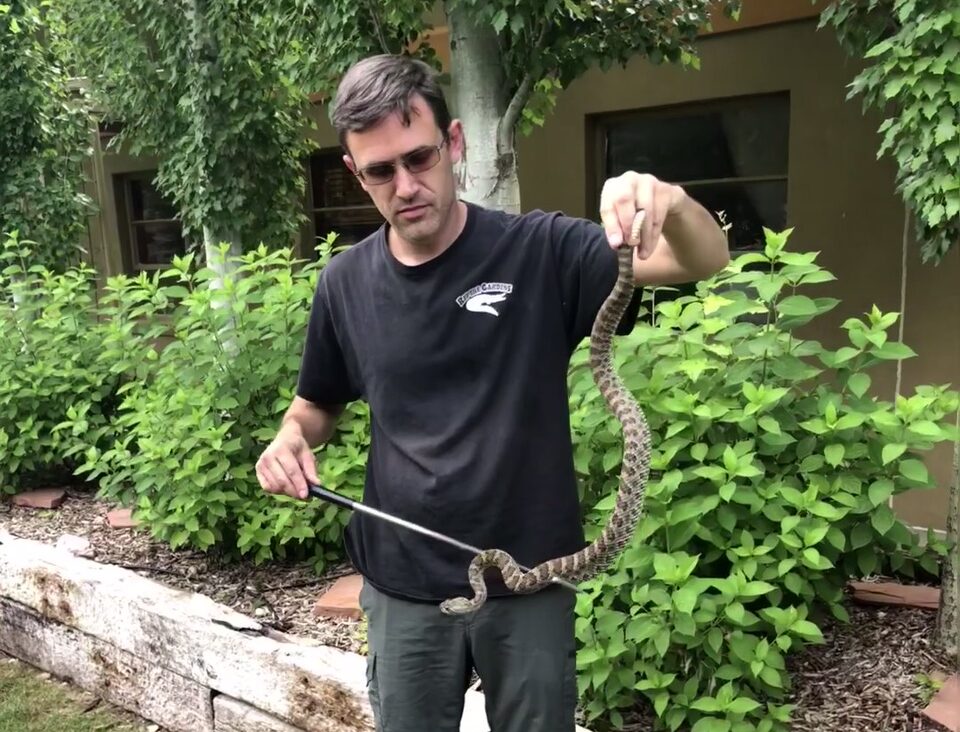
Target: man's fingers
(269,482)
(280,473)
(611,223)
(293,473)
(308,465)
(625,210)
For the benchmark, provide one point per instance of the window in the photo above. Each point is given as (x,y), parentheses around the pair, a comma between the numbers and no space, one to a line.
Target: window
(730,156)
(338,202)
(149,228)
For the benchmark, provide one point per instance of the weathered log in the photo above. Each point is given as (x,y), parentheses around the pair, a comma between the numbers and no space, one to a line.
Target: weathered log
(316,688)
(121,678)
(232,715)
(156,629)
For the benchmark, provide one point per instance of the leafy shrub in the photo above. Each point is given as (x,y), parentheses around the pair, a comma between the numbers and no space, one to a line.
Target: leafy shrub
(53,391)
(772,466)
(216,368)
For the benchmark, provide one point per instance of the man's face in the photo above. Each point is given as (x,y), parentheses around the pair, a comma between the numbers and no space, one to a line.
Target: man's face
(416,205)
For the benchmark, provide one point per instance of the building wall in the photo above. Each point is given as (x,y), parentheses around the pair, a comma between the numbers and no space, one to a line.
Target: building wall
(841,200)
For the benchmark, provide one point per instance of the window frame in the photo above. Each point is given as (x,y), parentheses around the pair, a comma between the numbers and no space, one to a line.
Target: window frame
(313,212)
(128,228)
(598,124)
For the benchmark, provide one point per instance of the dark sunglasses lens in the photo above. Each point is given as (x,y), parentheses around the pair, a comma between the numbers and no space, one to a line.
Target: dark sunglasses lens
(378,173)
(420,160)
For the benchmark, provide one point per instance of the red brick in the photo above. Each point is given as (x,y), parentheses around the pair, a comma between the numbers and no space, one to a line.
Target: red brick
(342,600)
(944,708)
(40,498)
(120,518)
(893,593)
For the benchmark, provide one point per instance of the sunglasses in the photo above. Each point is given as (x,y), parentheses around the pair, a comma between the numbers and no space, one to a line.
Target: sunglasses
(415,161)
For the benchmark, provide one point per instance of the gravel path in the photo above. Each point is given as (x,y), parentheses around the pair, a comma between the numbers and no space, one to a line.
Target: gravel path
(864,679)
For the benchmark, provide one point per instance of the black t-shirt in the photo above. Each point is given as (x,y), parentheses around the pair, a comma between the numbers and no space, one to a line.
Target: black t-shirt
(463,361)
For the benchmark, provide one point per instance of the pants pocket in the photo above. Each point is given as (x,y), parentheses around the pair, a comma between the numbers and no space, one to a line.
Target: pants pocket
(373,691)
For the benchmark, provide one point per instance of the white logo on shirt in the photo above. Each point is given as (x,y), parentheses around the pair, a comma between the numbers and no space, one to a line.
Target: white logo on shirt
(480,299)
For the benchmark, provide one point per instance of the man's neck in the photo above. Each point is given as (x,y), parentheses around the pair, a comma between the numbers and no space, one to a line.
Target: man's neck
(412,253)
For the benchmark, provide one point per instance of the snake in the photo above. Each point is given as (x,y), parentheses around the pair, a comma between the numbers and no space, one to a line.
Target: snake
(604,550)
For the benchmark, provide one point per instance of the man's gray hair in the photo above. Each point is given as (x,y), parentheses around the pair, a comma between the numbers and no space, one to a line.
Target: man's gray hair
(378,86)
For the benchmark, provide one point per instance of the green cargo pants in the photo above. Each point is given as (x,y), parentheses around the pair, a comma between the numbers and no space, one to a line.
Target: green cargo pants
(419,662)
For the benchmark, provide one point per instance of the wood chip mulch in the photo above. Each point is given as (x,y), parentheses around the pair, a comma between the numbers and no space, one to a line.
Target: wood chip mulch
(280,595)
(865,678)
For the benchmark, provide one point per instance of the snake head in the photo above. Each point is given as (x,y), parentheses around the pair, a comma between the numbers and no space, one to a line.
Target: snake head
(457,606)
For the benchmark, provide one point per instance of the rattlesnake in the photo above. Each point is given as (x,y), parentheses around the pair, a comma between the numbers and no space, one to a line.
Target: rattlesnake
(599,555)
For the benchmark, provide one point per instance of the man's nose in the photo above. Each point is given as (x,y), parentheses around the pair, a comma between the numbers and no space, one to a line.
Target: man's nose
(406,182)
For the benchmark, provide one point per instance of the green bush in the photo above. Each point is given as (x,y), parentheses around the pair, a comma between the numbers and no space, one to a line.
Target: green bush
(53,392)
(215,370)
(772,467)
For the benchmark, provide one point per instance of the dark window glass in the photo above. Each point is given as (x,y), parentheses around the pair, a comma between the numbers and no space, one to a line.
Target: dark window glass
(739,139)
(731,156)
(153,234)
(158,243)
(147,202)
(747,207)
(339,203)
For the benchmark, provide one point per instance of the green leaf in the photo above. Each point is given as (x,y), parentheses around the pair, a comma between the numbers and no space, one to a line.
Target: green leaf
(893,351)
(915,471)
(892,451)
(715,639)
(736,612)
(797,306)
(880,491)
(770,425)
(834,454)
(661,641)
(882,519)
(685,599)
(756,588)
(743,705)
(711,724)
(858,383)
(808,631)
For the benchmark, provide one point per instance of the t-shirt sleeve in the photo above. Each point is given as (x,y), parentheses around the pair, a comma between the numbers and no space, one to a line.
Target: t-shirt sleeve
(587,270)
(324,375)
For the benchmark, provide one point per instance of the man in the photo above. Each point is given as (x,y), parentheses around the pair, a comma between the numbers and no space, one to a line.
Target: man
(456,325)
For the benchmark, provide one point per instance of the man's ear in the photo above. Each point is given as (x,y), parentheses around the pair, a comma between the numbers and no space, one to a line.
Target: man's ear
(352,167)
(348,161)
(458,142)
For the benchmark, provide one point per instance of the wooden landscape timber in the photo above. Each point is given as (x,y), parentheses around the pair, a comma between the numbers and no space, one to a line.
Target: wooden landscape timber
(176,658)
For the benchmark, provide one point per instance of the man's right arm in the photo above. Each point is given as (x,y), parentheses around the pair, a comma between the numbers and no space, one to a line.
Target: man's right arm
(288,463)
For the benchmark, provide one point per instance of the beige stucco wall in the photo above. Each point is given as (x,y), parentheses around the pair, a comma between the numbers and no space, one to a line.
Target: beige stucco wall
(841,199)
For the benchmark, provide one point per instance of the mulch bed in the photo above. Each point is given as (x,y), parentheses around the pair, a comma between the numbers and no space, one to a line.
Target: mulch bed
(280,595)
(863,679)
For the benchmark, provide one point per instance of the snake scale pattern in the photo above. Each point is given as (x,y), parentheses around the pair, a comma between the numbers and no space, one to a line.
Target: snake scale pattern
(603,551)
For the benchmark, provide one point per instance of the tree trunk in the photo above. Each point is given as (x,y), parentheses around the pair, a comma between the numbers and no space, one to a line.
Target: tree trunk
(222,265)
(948,621)
(204,52)
(482,99)
(904,246)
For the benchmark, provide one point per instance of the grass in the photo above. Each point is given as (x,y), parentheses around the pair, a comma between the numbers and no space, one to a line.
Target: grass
(31,703)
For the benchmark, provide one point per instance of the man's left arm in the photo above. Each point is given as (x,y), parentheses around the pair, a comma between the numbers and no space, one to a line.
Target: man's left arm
(679,240)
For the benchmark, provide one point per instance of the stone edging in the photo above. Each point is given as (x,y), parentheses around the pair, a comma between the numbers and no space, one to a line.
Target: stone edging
(176,658)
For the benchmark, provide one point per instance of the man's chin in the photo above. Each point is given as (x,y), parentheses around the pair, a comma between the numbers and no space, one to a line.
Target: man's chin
(417,230)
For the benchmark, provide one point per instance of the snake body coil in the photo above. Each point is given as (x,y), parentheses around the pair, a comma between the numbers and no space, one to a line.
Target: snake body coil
(602,552)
